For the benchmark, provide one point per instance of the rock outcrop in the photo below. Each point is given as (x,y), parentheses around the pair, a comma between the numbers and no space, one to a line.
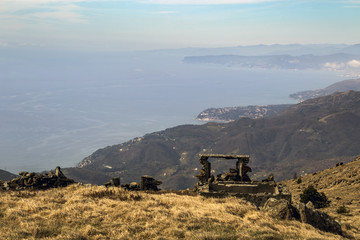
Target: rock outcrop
(149,183)
(37,181)
(282,209)
(114,182)
(146,183)
(318,219)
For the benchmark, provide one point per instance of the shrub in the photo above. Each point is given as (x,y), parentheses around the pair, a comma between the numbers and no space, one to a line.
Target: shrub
(342,209)
(299,180)
(318,199)
(295,176)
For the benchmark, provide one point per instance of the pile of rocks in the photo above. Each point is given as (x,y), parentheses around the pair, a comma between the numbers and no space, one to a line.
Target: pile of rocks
(149,183)
(37,181)
(146,183)
(306,213)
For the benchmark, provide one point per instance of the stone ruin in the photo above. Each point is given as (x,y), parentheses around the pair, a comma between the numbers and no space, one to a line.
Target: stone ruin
(37,181)
(237,182)
(146,183)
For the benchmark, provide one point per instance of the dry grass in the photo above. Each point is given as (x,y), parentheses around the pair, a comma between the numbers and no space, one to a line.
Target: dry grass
(342,187)
(94,212)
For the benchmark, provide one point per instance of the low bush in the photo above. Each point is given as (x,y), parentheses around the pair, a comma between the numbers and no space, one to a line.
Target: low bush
(342,209)
(318,199)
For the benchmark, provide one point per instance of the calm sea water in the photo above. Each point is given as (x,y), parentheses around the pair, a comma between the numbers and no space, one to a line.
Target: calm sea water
(56,110)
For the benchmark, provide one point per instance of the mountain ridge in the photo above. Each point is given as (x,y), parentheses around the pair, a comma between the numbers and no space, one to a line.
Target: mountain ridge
(346,85)
(309,136)
(335,61)
(228,114)
(6,176)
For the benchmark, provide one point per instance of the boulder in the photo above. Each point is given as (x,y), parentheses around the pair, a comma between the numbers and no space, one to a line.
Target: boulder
(318,219)
(114,182)
(149,183)
(23,173)
(281,209)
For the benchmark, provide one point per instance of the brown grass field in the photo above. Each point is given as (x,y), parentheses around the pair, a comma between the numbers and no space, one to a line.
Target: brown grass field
(95,212)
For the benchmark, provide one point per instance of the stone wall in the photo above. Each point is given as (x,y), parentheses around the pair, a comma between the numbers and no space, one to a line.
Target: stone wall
(33,180)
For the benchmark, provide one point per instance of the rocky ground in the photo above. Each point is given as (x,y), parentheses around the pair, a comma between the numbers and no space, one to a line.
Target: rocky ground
(341,184)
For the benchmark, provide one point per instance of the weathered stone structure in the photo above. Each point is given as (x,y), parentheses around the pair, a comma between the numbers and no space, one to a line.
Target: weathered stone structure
(146,183)
(37,181)
(149,183)
(114,182)
(236,182)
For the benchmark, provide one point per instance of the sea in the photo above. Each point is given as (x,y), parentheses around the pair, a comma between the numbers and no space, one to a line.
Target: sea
(56,108)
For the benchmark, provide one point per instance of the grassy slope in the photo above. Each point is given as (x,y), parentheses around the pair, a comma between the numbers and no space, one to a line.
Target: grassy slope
(342,186)
(94,212)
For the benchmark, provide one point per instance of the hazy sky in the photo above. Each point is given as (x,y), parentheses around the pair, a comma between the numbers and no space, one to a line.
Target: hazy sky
(150,24)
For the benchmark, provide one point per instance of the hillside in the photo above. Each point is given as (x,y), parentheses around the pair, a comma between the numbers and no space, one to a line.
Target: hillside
(234,113)
(227,114)
(93,212)
(307,137)
(346,85)
(341,185)
(6,176)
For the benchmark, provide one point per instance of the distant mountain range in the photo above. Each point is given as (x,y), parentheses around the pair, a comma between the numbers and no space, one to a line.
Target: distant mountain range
(272,49)
(227,114)
(6,176)
(338,61)
(306,137)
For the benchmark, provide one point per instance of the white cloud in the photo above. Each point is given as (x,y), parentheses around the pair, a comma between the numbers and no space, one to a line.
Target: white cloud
(352,4)
(354,63)
(63,10)
(4,44)
(205,2)
(60,15)
(334,65)
(163,12)
(353,1)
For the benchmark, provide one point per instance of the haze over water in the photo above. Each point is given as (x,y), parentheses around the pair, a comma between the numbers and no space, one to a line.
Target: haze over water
(58,107)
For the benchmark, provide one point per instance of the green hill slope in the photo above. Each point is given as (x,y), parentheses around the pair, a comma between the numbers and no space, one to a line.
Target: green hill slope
(307,137)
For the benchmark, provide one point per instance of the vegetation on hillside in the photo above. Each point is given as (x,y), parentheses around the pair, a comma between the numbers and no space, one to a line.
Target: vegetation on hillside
(310,194)
(309,136)
(80,212)
(341,185)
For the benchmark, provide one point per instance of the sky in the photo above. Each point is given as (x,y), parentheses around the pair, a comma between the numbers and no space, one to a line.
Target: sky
(159,24)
